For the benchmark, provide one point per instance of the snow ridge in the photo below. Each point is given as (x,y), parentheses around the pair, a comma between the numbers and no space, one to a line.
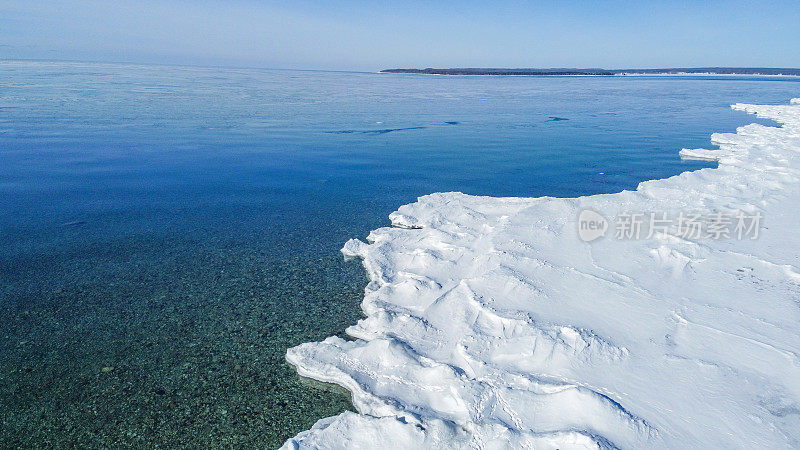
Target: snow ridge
(490,324)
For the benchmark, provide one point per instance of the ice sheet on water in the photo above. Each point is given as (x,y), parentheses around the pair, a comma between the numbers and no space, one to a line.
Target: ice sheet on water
(489,323)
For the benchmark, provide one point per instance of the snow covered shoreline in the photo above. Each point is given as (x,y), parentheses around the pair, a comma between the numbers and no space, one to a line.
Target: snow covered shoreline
(490,324)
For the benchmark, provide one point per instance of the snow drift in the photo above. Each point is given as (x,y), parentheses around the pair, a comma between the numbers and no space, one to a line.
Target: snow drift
(490,324)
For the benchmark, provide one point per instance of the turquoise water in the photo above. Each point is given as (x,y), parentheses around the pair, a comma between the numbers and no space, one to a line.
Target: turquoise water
(168,232)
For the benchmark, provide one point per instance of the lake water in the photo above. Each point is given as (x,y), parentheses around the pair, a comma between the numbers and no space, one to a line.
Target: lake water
(167,233)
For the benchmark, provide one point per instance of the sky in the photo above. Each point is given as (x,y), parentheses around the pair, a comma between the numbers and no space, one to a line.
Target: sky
(373,35)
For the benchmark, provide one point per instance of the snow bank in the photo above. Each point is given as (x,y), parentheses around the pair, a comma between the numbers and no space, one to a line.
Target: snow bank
(490,324)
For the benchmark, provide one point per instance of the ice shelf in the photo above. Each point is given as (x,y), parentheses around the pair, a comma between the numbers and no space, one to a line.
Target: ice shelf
(490,324)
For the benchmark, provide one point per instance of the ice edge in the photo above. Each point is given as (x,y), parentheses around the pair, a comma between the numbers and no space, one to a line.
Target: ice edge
(490,324)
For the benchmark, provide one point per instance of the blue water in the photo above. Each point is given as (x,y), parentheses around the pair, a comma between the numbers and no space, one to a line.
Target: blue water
(168,232)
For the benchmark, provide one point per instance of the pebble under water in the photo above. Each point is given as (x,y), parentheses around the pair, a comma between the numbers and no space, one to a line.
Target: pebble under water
(168,232)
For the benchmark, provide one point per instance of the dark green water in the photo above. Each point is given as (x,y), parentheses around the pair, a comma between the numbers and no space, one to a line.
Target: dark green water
(167,233)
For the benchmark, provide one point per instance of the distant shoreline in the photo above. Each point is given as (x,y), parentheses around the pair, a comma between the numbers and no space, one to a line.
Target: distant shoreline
(757,71)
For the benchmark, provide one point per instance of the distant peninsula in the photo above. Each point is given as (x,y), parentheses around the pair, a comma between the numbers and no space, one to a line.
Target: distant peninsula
(604,72)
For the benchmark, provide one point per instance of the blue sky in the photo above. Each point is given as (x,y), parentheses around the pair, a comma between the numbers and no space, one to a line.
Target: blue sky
(370,35)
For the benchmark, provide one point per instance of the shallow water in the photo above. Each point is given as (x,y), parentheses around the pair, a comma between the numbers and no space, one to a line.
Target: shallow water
(168,232)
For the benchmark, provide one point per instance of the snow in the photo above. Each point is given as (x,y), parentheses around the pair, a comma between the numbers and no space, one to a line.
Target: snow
(490,324)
